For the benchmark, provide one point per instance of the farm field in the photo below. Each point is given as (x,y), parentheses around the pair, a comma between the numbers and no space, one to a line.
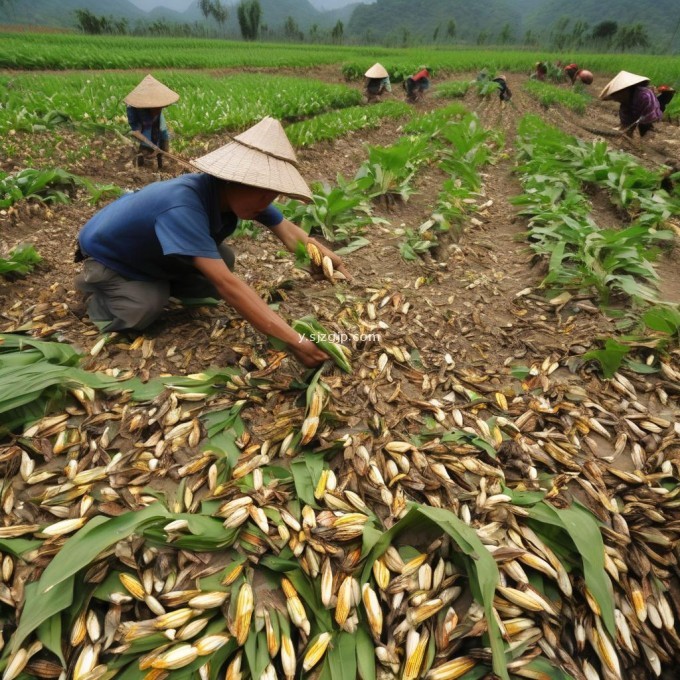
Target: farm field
(490,488)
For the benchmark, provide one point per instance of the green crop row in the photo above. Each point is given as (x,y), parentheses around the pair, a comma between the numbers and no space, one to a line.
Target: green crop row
(580,254)
(338,123)
(58,51)
(207,104)
(452,90)
(547,95)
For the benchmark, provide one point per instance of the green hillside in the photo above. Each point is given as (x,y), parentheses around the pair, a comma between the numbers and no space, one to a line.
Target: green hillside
(401,18)
(660,18)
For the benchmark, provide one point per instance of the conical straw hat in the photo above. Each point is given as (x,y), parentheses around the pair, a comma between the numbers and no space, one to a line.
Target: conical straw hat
(621,81)
(260,157)
(151,94)
(377,71)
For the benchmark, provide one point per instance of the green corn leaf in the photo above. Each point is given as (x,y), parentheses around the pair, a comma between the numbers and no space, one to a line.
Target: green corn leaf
(365,654)
(50,634)
(54,591)
(341,656)
(583,530)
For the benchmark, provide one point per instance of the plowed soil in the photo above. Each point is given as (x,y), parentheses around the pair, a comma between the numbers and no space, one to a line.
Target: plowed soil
(479,299)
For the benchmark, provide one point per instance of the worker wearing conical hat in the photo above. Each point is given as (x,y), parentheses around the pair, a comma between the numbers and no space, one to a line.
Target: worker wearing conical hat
(168,239)
(145,106)
(638,106)
(377,82)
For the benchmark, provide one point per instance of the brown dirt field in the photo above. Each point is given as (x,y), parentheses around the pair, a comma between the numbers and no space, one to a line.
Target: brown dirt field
(473,285)
(475,307)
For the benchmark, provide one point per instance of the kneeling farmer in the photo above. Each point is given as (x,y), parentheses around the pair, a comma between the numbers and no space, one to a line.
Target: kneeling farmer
(167,238)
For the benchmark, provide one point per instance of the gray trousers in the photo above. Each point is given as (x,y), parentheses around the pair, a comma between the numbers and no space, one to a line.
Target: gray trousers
(117,303)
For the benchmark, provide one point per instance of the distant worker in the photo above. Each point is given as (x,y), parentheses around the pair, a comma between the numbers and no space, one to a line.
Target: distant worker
(664,94)
(504,92)
(541,71)
(377,82)
(578,75)
(639,108)
(145,115)
(416,85)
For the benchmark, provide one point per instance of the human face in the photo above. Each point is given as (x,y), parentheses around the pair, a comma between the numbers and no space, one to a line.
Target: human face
(246,201)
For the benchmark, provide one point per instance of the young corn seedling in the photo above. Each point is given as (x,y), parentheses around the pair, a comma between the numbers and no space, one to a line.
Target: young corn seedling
(339,213)
(453,90)
(389,171)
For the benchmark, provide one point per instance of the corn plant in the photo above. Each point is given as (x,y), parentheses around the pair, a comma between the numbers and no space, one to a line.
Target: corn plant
(69,51)
(452,90)
(208,103)
(579,253)
(50,186)
(339,212)
(417,241)
(389,170)
(467,146)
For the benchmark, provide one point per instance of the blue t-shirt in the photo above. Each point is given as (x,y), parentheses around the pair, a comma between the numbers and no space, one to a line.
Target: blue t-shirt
(140,234)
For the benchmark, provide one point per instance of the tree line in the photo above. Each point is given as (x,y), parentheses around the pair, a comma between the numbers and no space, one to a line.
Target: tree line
(248,14)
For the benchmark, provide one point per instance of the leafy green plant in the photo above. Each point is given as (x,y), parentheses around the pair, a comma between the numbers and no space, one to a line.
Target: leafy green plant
(339,212)
(431,123)
(390,169)
(417,242)
(49,186)
(452,90)
(19,261)
(548,95)
(337,123)
(579,253)
(247,229)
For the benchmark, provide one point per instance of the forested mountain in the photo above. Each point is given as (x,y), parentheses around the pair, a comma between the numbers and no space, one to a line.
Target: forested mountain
(546,22)
(549,23)
(436,20)
(61,13)
(660,18)
(176,5)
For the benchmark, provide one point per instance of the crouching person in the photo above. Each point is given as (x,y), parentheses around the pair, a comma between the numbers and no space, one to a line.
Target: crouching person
(145,106)
(168,239)
(377,82)
(638,106)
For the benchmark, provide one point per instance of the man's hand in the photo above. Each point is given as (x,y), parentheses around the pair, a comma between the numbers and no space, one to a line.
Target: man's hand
(252,307)
(307,353)
(290,235)
(338,263)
